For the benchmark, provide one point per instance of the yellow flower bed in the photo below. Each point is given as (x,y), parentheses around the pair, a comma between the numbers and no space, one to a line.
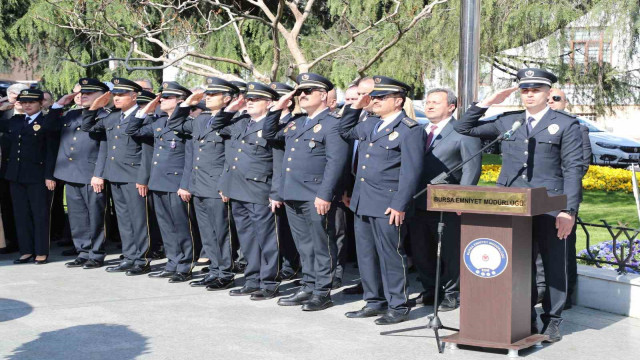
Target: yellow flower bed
(597,178)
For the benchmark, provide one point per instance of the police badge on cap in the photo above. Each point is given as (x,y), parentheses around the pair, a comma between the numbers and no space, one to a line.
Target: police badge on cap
(534,78)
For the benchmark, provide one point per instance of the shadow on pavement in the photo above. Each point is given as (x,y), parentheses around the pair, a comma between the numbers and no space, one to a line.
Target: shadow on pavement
(13,309)
(95,341)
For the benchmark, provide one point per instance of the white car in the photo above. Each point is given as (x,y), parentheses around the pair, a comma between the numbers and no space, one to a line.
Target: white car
(609,149)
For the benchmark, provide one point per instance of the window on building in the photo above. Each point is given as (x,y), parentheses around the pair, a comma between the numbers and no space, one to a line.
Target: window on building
(588,47)
(588,116)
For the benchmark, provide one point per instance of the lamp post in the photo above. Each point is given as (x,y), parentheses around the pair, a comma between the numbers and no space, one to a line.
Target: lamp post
(469,52)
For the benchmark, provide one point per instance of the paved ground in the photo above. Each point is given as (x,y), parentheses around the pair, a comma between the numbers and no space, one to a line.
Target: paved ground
(51,312)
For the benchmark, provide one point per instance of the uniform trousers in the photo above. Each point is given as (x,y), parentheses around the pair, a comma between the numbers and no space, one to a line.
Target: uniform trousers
(553,252)
(154,228)
(340,238)
(31,209)
(175,227)
(423,230)
(289,257)
(572,266)
(382,262)
(213,222)
(87,212)
(314,236)
(256,227)
(8,220)
(131,211)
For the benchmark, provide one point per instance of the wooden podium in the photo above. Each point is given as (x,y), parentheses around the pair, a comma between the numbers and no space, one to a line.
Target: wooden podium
(495,261)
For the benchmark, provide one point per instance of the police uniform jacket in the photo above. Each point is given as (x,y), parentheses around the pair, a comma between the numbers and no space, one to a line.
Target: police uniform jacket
(33,148)
(81,155)
(315,156)
(168,172)
(389,163)
(124,153)
(5,144)
(550,157)
(207,149)
(248,171)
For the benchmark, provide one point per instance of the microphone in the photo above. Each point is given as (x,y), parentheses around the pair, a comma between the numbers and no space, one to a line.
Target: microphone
(514,127)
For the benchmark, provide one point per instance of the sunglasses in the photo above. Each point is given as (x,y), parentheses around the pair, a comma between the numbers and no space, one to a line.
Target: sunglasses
(307,91)
(384,97)
(556,98)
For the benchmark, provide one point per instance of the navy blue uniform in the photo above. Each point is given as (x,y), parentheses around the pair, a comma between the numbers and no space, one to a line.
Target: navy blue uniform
(168,174)
(550,156)
(314,160)
(81,156)
(247,180)
(31,160)
(123,170)
(207,164)
(390,162)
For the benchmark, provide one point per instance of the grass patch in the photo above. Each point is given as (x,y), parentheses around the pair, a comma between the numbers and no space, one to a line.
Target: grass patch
(613,207)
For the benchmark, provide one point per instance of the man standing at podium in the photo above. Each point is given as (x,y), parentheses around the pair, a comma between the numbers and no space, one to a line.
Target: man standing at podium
(546,151)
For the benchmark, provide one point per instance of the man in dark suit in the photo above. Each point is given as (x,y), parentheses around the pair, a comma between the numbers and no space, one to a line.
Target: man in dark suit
(390,160)
(314,160)
(124,172)
(546,151)
(169,178)
(247,181)
(80,164)
(445,150)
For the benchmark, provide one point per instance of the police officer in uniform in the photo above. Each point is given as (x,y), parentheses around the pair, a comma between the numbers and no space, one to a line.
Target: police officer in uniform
(247,180)
(169,179)
(30,165)
(390,160)
(80,164)
(123,170)
(314,161)
(207,164)
(546,151)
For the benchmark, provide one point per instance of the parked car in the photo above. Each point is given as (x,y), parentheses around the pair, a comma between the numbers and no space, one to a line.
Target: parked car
(610,149)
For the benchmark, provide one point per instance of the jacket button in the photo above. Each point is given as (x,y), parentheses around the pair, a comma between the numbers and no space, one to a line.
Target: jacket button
(155,163)
(235,159)
(201,141)
(200,150)
(19,136)
(118,126)
(526,153)
(361,179)
(114,147)
(18,151)
(78,128)
(74,138)
(288,169)
(363,167)
(293,149)
(198,159)
(525,164)
(160,147)
(239,150)
(175,173)
(196,168)
(18,159)
(112,158)
(70,159)
(255,179)
(526,141)
(296,140)
(116,137)
(289,159)
(233,167)
(157,155)
(243,141)
(370,144)
(367,156)
(524,177)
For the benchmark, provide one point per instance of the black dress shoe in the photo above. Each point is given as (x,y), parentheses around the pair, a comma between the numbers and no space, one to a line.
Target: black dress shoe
(317,303)
(69,252)
(365,312)
(207,280)
(122,267)
(42,262)
(264,294)
(448,304)
(244,291)
(220,284)
(392,317)
(534,329)
(297,299)
(77,262)
(162,274)
(205,270)
(92,264)
(354,290)
(25,260)
(238,267)
(286,276)
(139,270)
(157,255)
(552,330)
(337,284)
(179,277)
(425,299)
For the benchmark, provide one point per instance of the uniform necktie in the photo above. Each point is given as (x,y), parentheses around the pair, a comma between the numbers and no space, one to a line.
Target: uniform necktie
(28,119)
(209,122)
(121,117)
(354,168)
(306,121)
(530,121)
(375,130)
(431,134)
(251,122)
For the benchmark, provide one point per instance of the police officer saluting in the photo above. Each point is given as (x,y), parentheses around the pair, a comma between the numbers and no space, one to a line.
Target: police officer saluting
(314,160)
(30,173)
(247,180)
(80,164)
(390,160)
(546,151)
(123,170)
(169,179)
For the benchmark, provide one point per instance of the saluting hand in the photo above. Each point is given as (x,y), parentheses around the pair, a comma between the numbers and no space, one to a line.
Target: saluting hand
(498,97)
(236,104)
(283,102)
(67,99)
(101,102)
(194,99)
(564,224)
(150,108)
(362,102)
(97,184)
(6,106)
(395,217)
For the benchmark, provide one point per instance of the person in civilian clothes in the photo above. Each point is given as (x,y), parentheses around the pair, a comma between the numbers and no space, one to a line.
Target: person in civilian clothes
(390,161)
(125,175)
(545,152)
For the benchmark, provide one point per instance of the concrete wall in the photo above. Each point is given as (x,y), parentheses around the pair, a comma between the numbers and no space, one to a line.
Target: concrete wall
(606,290)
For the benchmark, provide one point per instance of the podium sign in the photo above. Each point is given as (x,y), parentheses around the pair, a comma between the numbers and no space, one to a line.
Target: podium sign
(495,264)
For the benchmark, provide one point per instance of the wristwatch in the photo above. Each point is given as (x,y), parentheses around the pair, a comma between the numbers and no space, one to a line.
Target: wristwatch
(571,212)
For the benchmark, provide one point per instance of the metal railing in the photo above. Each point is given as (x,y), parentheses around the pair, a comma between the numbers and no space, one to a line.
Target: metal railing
(622,250)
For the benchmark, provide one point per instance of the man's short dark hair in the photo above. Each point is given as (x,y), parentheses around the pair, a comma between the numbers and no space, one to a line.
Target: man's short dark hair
(452,99)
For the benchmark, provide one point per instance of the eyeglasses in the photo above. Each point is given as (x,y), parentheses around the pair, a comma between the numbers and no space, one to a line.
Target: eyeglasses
(556,98)
(307,91)
(384,97)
